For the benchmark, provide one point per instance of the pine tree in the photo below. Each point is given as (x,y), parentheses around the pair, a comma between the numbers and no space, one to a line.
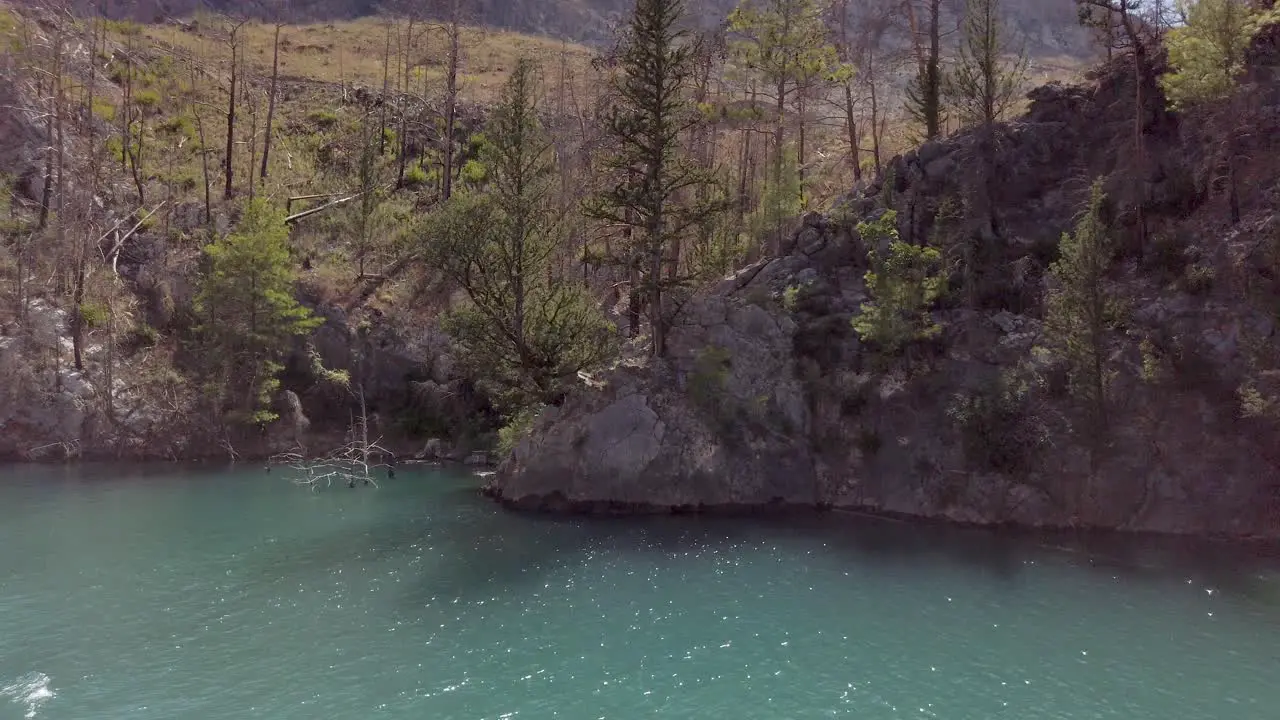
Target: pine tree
(904,283)
(650,185)
(986,80)
(787,43)
(525,331)
(1207,53)
(989,73)
(1079,308)
(924,91)
(248,310)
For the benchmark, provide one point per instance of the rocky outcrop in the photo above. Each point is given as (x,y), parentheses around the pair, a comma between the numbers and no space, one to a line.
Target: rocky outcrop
(23,141)
(712,426)
(769,398)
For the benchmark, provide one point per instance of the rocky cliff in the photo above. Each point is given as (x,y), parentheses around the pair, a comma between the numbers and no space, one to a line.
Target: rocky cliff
(768,397)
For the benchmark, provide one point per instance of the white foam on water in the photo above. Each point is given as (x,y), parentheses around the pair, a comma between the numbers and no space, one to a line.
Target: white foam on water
(31,691)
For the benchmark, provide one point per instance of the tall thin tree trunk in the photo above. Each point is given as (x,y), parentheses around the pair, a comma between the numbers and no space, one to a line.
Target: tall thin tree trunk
(851,127)
(850,121)
(403,140)
(801,157)
(204,153)
(933,73)
(451,101)
(271,104)
(876,131)
(634,303)
(657,315)
(46,194)
(229,166)
(126,105)
(253,139)
(382,106)
(77,252)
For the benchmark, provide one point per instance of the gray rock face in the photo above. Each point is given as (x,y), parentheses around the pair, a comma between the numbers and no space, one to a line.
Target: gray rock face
(709,426)
(763,401)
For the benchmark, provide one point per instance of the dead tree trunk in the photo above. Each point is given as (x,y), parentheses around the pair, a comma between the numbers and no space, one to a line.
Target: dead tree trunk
(271,103)
(229,167)
(451,98)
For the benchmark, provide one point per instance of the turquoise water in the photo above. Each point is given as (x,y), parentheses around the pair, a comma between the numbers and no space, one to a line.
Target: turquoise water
(158,593)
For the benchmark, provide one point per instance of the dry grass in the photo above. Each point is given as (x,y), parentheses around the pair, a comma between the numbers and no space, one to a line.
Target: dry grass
(350,53)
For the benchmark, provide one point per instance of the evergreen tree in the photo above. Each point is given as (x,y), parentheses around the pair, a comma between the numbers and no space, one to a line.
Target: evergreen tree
(924,91)
(248,310)
(781,198)
(650,185)
(1207,53)
(904,283)
(987,79)
(988,73)
(787,43)
(525,331)
(1079,308)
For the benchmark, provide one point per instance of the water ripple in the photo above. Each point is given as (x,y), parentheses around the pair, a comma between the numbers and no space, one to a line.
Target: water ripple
(31,691)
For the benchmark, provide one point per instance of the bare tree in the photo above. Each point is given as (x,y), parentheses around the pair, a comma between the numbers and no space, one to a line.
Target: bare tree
(353,462)
(407,45)
(233,44)
(271,99)
(1118,20)
(204,146)
(453,36)
(386,88)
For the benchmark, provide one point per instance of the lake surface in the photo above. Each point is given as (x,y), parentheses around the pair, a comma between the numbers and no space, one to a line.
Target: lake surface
(158,593)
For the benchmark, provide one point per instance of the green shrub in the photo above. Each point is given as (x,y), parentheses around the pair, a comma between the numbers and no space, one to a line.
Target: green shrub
(177,125)
(334,378)
(995,428)
(10,38)
(94,315)
(122,27)
(473,172)
(1253,404)
(115,148)
(186,181)
(517,428)
(791,296)
(415,176)
(104,109)
(143,336)
(323,119)
(710,374)
(146,99)
(904,284)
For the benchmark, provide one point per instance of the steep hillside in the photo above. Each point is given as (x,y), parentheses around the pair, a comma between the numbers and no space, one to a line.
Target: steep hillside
(125,171)
(135,395)
(1048,27)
